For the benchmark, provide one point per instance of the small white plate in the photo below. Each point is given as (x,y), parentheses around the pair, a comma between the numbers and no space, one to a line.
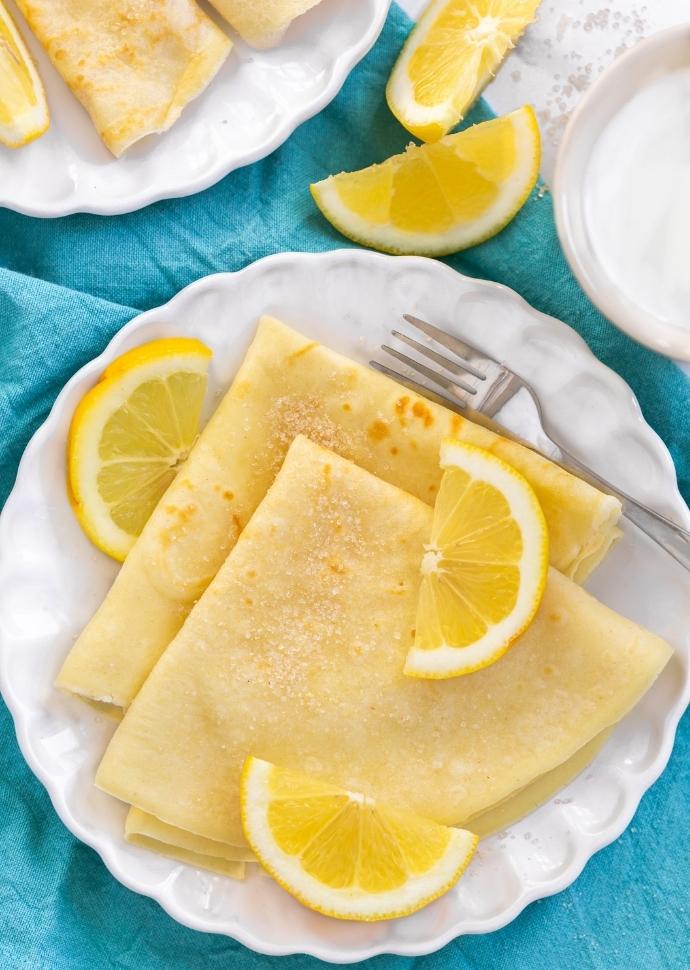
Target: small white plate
(649,60)
(52,580)
(252,106)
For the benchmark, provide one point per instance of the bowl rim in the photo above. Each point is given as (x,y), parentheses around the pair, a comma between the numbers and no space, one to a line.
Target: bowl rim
(628,316)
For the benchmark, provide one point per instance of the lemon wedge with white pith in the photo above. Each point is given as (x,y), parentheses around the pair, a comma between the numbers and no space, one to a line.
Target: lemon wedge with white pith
(440,198)
(343,854)
(452,53)
(484,571)
(129,435)
(23,107)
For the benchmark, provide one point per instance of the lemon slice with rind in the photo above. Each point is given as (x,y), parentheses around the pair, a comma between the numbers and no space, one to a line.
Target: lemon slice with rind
(452,53)
(343,854)
(484,571)
(440,198)
(129,435)
(23,107)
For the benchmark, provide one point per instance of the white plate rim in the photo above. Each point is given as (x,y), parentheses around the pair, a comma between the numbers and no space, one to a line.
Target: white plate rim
(78,202)
(588,846)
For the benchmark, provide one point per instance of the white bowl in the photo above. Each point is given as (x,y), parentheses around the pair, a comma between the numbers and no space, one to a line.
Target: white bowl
(648,61)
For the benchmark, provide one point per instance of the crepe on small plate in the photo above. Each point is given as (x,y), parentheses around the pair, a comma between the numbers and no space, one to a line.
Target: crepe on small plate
(133,65)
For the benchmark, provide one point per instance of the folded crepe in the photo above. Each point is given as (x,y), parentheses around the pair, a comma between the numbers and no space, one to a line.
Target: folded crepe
(133,64)
(290,385)
(295,654)
(262,24)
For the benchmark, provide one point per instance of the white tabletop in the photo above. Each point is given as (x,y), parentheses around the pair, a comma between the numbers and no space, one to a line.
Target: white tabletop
(562,53)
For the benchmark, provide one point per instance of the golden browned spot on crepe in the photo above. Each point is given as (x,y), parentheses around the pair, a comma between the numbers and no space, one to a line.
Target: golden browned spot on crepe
(378,430)
(400,409)
(302,351)
(421,411)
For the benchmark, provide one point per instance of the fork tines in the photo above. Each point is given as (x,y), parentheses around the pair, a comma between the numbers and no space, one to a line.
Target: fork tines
(456,346)
(463,378)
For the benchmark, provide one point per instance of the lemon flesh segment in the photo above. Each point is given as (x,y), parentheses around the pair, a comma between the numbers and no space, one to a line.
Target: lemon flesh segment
(23,107)
(484,572)
(343,854)
(129,435)
(439,198)
(451,54)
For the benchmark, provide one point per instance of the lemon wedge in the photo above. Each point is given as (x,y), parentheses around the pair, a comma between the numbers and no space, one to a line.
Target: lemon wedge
(451,54)
(437,199)
(484,571)
(129,435)
(343,854)
(23,107)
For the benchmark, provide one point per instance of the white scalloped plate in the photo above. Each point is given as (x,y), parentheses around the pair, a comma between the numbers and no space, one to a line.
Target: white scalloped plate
(52,579)
(251,107)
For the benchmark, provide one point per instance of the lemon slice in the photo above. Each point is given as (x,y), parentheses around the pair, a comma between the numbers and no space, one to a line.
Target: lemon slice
(129,435)
(438,199)
(449,57)
(23,107)
(484,571)
(343,854)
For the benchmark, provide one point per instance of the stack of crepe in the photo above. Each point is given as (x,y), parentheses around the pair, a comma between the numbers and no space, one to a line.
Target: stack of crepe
(269,603)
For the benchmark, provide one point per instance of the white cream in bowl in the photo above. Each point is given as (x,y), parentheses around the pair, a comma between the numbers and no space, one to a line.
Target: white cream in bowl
(637,198)
(622,193)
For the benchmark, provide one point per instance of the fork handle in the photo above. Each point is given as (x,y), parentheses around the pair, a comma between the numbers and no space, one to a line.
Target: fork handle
(674,539)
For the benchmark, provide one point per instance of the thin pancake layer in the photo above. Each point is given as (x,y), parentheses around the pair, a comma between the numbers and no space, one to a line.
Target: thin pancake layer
(133,64)
(262,24)
(295,654)
(148,826)
(236,870)
(538,792)
(289,385)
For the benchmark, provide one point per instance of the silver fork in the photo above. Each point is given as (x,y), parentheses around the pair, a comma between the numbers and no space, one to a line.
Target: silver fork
(479,387)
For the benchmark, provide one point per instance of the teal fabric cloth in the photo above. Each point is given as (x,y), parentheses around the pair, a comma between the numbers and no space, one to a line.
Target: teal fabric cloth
(66,286)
